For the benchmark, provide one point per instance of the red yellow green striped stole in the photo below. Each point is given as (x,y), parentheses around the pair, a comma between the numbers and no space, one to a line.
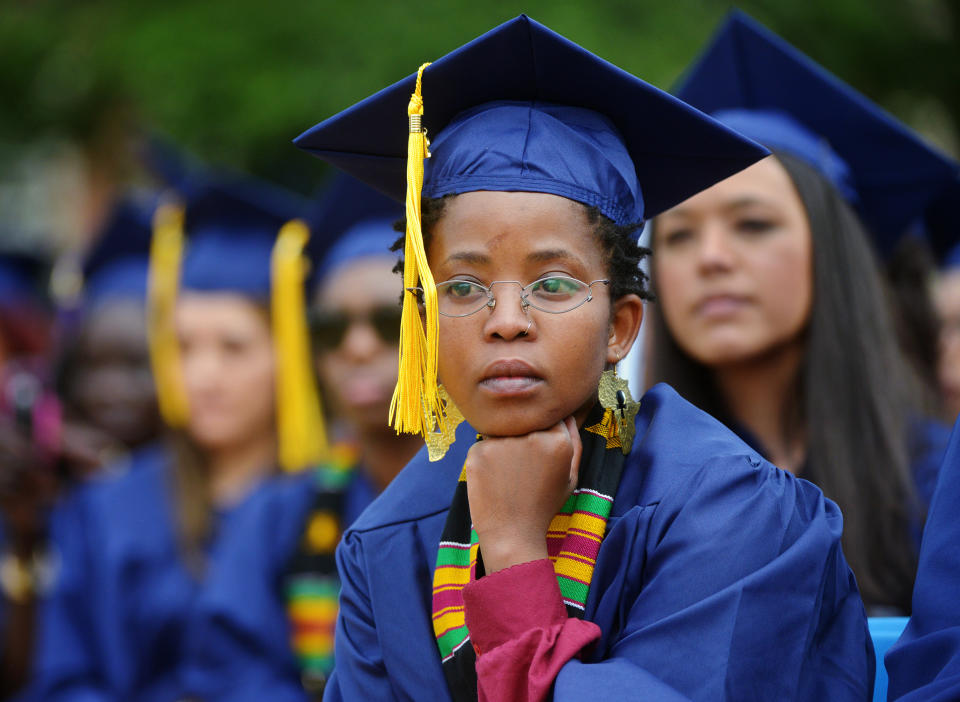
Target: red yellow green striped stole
(573,543)
(312,586)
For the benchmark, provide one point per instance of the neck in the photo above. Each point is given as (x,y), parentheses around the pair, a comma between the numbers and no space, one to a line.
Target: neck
(383,453)
(234,469)
(760,394)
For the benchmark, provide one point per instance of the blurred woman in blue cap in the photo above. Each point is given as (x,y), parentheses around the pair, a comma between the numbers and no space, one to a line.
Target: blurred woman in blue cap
(171,566)
(103,365)
(355,325)
(772,312)
(566,542)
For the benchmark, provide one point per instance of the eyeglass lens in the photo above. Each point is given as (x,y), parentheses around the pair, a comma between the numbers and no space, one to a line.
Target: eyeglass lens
(555,294)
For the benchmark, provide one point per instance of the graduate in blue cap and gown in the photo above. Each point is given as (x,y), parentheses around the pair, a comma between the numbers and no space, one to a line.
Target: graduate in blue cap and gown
(571,542)
(772,312)
(153,554)
(924,665)
(355,325)
(103,369)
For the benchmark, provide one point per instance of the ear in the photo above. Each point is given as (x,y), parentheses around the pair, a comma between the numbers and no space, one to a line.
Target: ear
(624,326)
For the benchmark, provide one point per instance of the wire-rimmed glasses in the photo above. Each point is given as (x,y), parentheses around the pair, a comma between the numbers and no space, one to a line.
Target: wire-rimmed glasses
(554,294)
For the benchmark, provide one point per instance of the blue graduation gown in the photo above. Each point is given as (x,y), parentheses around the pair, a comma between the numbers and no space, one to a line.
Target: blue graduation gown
(120,622)
(925,663)
(720,577)
(239,642)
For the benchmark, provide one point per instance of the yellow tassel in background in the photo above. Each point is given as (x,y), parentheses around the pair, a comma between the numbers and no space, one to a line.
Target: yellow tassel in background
(416,401)
(166,254)
(301,435)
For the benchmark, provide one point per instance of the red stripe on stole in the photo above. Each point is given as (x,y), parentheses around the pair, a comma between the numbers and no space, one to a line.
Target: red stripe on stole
(314,627)
(444,600)
(581,545)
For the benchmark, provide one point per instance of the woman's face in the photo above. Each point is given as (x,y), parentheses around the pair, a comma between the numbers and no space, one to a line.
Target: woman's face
(504,381)
(228,368)
(111,385)
(356,334)
(733,267)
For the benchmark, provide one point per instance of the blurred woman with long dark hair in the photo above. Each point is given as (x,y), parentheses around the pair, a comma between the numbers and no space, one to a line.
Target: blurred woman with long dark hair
(773,314)
(157,550)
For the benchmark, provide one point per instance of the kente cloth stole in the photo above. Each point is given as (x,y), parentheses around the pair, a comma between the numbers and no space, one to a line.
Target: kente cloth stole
(311,584)
(573,542)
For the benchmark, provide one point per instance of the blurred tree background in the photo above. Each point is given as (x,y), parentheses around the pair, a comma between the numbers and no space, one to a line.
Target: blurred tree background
(234,81)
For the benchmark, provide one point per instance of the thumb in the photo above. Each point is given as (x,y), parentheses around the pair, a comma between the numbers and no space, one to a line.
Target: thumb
(575,442)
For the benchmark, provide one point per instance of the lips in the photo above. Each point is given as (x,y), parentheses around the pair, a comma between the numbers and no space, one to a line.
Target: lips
(508,377)
(720,305)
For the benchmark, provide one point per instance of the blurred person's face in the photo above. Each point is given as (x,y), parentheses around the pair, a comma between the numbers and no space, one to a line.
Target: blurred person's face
(947,300)
(111,386)
(356,329)
(733,267)
(228,369)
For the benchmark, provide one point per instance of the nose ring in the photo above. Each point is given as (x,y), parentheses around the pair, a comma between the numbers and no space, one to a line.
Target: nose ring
(527,330)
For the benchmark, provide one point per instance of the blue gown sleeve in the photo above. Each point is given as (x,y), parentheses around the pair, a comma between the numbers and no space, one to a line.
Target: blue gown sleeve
(742,593)
(66,667)
(925,663)
(360,673)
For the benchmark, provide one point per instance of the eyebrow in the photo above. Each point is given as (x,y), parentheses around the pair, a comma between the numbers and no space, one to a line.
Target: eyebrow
(747,201)
(740,202)
(479,259)
(474,257)
(545,255)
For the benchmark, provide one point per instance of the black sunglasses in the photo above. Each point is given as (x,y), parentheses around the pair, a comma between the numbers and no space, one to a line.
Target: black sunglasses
(329,327)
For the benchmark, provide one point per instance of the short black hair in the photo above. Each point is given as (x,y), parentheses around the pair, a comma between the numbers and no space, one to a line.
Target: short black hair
(622,253)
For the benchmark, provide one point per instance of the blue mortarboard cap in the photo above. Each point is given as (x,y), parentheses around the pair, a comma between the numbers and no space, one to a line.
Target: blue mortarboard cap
(521,108)
(350,221)
(370,238)
(116,266)
(754,81)
(344,202)
(231,227)
(21,278)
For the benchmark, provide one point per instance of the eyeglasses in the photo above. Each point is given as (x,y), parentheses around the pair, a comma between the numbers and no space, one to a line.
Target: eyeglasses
(329,327)
(554,294)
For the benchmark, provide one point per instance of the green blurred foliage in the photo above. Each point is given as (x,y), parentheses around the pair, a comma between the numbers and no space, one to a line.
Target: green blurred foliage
(234,81)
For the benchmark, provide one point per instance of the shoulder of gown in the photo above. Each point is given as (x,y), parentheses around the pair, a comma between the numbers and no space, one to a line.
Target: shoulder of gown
(925,663)
(927,445)
(422,488)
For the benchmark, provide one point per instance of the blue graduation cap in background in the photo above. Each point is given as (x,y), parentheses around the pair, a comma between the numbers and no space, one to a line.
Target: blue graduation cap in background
(755,82)
(116,267)
(350,221)
(522,108)
(231,227)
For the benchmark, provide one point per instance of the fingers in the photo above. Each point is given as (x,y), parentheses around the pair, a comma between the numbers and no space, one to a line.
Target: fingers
(571,425)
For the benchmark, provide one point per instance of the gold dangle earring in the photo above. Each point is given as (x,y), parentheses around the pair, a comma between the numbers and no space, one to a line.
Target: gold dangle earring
(615,397)
(440,436)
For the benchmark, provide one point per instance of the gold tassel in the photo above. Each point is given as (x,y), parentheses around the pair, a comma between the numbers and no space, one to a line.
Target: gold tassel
(301,435)
(416,396)
(166,253)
